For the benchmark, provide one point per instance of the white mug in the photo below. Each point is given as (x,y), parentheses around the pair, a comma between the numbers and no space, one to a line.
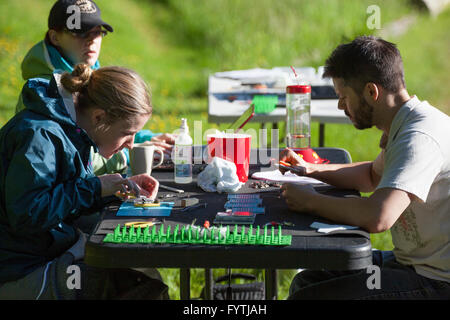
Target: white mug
(141,159)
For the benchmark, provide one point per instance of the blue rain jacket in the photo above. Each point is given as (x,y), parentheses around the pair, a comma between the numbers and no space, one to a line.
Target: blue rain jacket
(46,181)
(40,62)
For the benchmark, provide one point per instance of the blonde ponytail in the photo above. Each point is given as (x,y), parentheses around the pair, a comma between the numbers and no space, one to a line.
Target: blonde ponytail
(78,79)
(119,91)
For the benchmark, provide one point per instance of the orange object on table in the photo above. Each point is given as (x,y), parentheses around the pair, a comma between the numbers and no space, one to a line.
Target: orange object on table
(284,163)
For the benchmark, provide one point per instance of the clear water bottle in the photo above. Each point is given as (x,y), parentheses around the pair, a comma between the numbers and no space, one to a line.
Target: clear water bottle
(298,116)
(183,154)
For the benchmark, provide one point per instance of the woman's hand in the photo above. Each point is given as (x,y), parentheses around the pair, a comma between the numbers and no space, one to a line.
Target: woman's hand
(167,138)
(113,183)
(148,186)
(164,142)
(289,156)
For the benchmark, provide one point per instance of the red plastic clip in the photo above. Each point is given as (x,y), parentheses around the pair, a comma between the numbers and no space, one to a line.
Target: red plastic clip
(242,213)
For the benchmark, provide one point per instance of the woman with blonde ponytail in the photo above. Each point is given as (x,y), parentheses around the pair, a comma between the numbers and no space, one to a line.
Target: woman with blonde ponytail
(62,49)
(47,182)
(112,105)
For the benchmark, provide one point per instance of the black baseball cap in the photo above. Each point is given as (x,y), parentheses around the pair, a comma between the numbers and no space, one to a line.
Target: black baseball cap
(62,15)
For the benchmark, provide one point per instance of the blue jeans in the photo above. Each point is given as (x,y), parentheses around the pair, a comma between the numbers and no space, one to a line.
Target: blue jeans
(396,281)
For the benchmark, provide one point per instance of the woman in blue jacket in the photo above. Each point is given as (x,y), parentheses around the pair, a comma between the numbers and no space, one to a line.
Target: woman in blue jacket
(62,49)
(47,181)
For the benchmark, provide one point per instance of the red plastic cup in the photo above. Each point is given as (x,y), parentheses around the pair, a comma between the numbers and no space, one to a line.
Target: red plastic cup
(232,147)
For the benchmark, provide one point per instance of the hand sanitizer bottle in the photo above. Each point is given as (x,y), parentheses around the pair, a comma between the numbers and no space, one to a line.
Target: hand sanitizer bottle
(183,154)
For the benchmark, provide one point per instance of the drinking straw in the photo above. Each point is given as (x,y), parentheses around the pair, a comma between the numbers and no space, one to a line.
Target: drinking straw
(293,70)
(295,74)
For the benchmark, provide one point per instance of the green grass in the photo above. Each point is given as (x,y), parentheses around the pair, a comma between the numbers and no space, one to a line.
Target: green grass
(176,44)
(426,49)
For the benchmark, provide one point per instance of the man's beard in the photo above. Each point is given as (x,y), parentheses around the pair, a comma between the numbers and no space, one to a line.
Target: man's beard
(364,115)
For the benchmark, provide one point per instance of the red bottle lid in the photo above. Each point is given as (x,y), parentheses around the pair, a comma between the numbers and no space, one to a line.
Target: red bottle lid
(299,88)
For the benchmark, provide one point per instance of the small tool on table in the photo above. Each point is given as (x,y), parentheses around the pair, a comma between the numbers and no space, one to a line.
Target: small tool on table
(142,224)
(171,189)
(146,202)
(195,206)
(187,202)
(276,224)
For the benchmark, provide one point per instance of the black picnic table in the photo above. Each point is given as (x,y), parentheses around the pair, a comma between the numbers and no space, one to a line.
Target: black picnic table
(309,249)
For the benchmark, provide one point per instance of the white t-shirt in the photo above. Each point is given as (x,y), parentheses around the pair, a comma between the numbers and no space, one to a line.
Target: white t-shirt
(417,160)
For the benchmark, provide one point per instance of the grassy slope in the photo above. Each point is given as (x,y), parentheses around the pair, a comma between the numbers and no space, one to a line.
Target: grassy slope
(16,38)
(174,45)
(426,51)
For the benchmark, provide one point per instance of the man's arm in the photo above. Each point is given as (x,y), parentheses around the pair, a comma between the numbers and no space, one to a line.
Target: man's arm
(376,213)
(360,176)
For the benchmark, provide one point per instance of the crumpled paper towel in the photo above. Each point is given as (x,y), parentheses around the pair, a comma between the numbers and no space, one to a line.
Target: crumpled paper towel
(219,175)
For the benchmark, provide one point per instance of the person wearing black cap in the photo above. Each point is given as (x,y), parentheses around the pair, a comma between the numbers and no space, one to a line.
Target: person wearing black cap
(75,33)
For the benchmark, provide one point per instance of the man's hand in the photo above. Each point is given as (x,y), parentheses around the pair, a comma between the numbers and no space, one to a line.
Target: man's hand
(297,196)
(289,156)
(381,209)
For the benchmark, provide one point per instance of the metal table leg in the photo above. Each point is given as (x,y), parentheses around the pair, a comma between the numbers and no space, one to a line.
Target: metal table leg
(185,284)
(208,284)
(321,134)
(271,284)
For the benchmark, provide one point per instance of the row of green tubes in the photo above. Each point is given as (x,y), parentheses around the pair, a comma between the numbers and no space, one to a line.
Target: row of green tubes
(191,235)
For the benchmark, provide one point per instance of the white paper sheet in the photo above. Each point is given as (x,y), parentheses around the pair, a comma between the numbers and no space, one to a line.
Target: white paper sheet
(327,228)
(277,176)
